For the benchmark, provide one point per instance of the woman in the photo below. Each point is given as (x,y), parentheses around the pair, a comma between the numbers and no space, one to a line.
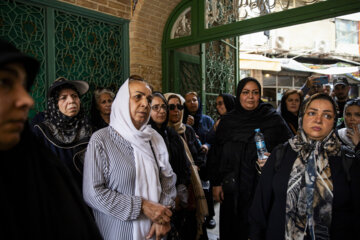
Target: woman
(101,108)
(197,207)
(236,178)
(350,134)
(66,131)
(304,193)
(128,181)
(40,199)
(177,157)
(289,108)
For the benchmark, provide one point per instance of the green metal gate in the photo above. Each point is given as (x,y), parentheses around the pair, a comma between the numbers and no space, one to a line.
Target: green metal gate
(68,41)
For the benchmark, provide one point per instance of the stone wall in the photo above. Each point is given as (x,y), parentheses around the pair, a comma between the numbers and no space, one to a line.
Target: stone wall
(146,30)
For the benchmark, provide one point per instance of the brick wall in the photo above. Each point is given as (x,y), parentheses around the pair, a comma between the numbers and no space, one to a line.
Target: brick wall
(146,31)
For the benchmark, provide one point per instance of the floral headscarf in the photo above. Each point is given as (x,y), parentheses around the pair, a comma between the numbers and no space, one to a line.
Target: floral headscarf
(310,188)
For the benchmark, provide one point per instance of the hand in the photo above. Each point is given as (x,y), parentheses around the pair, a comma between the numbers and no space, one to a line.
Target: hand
(354,135)
(261,162)
(204,148)
(159,230)
(190,120)
(156,212)
(312,81)
(218,194)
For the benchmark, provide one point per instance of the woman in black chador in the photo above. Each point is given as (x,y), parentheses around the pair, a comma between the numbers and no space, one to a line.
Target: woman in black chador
(238,165)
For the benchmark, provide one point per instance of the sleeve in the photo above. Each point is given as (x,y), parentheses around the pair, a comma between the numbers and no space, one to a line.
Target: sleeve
(168,182)
(210,124)
(96,193)
(261,205)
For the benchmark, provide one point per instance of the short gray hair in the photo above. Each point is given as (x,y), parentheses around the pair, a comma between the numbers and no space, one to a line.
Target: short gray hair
(98,92)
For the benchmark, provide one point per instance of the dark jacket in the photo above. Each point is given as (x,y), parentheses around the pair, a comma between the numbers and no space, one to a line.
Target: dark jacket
(39,197)
(194,146)
(267,214)
(72,154)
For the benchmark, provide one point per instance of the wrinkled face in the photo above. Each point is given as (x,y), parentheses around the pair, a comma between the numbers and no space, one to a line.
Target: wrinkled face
(104,104)
(250,96)
(175,114)
(191,103)
(139,104)
(158,110)
(318,119)
(15,103)
(220,106)
(352,116)
(293,103)
(69,102)
(341,92)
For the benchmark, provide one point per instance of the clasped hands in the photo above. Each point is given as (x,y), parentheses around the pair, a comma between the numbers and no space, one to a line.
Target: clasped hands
(160,216)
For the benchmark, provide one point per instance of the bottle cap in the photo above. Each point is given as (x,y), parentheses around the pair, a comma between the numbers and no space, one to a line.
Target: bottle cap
(257,130)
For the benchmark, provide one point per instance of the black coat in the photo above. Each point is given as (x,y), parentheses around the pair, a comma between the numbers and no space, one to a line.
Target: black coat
(267,214)
(40,199)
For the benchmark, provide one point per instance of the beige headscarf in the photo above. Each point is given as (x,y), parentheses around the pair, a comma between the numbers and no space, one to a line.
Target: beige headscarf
(201,204)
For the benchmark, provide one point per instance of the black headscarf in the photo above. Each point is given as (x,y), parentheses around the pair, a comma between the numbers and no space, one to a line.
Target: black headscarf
(64,128)
(239,125)
(197,116)
(289,117)
(229,101)
(175,146)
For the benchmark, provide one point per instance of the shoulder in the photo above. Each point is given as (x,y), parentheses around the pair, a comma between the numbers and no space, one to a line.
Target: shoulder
(207,118)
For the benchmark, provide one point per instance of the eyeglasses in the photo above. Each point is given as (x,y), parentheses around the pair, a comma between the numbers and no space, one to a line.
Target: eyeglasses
(178,106)
(353,102)
(158,107)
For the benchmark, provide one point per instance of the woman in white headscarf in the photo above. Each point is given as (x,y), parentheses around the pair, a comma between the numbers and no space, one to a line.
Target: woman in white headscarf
(128,181)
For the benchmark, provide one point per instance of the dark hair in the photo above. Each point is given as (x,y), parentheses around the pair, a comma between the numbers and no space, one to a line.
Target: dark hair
(160,95)
(56,92)
(174,96)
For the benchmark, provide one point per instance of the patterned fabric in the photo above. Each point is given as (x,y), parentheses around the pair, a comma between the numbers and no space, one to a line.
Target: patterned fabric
(310,188)
(65,129)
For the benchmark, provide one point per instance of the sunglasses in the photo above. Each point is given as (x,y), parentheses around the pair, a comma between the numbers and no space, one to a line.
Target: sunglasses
(353,102)
(178,106)
(157,107)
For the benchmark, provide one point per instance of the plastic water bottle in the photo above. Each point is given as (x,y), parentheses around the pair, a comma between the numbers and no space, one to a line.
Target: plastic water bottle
(260,144)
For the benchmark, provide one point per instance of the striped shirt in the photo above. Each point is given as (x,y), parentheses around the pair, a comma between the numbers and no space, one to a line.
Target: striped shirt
(109,184)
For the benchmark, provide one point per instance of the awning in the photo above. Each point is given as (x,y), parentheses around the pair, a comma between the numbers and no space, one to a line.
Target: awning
(258,62)
(291,64)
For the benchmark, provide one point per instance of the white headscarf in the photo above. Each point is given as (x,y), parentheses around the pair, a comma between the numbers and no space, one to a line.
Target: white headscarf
(147,182)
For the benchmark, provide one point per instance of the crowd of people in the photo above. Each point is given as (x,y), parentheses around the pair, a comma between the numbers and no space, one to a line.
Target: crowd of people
(150,165)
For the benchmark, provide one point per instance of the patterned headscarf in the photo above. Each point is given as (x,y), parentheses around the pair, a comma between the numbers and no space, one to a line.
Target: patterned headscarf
(310,188)
(64,128)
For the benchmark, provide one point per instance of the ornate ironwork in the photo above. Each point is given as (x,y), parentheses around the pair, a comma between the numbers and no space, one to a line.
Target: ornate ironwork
(89,50)
(220,72)
(85,48)
(24,26)
(221,12)
(190,77)
(182,26)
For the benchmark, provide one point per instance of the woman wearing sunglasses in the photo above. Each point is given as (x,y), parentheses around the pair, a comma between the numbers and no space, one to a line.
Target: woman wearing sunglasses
(197,208)
(350,134)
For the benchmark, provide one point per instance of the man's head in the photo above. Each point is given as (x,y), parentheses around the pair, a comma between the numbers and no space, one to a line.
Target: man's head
(341,89)
(17,72)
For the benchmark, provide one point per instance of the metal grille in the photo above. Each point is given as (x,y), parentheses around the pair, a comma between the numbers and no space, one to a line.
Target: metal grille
(24,26)
(190,77)
(88,50)
(85,48)
(220,72)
